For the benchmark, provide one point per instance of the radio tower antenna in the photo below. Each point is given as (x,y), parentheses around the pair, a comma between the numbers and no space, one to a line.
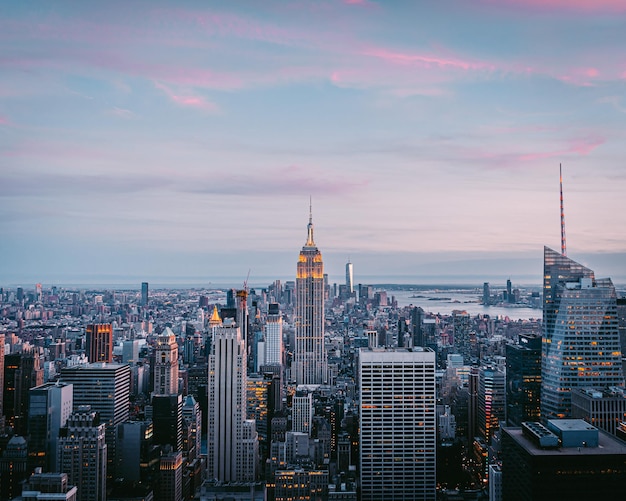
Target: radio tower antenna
(563,246)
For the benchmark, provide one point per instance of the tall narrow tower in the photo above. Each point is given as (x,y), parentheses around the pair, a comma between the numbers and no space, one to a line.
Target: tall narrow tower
(349,277)
(166,364)
(310,357)
(580,345)
(231,456)
(563,245)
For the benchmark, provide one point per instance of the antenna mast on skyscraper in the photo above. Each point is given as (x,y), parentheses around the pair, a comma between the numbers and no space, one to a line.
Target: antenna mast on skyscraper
(563,246)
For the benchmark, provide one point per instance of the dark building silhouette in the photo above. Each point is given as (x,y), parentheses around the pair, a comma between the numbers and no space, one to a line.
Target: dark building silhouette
(144,293)
(167,416)
(570,460)
(523,380)
(13,468)
(22,372)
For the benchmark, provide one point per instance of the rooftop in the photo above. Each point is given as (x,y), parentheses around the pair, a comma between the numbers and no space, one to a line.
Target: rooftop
(607,445)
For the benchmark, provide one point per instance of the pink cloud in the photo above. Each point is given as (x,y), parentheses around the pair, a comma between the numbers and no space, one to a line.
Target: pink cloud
(427,61)
(187,99)
(4,120)
(584,6)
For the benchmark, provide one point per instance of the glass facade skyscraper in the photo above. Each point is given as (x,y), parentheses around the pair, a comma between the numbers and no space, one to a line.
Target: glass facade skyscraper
(580,345)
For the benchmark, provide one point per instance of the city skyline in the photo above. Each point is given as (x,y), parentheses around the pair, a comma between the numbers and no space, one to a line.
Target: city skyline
(155,142)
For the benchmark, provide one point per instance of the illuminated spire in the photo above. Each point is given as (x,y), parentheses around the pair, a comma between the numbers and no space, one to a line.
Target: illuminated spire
(309,239)
(563,246)
(215,317)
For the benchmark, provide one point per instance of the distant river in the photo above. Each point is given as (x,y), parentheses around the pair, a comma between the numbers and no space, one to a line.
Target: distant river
(444,301)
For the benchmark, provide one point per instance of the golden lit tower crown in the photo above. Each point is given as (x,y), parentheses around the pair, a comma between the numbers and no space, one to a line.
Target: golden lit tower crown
(310,357)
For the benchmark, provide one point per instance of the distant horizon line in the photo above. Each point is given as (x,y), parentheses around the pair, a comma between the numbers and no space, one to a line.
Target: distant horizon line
(460,281)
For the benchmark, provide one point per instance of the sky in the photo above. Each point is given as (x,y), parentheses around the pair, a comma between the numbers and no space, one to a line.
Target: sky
(182,142)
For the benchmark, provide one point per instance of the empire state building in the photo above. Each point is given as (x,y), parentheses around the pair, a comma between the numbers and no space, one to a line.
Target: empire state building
(310,365)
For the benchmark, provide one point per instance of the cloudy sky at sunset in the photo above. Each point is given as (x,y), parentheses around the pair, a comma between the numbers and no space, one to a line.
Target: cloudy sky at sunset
(180,141)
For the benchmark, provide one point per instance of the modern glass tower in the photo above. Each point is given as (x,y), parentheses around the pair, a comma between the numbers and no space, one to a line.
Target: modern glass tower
(580,345)
(310,357)
(349,277)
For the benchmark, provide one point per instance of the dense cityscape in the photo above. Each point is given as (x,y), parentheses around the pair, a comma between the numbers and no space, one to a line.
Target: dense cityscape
(307,250)
(306,390)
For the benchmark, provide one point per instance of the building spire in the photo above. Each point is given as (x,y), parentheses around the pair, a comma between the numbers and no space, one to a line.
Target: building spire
(309,239)
(563,246)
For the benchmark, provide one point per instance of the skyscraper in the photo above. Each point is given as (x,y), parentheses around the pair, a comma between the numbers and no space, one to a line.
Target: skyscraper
(274,336)
(144,293)
(397,424)
(491,400)
(228,431)
(580,345)
(1,381)
(167,416)
(51,404)
(523,379)
(166,364)
(349,277)
(99,340)
(106,388)
(83,454)
(22,371)
(310,357)
(192,423)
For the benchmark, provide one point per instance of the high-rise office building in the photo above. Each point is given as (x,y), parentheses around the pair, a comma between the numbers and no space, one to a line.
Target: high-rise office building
(568,459)
(228,430)
(99,343)
(1,381)
(464,338)
(130,351)
(604,408)
(170,477)
(349,277)
(397,424)
(22,371)
(106,388)
(491,401)
(310,362)
(523,380)
(580,346)
(192,428)
(273,336)
(257,405)
(486,294)
(51,404)
(83,454)
(144,293)
(13,467)
(167,416)
(138,456)
(166,364)
(302,412)
(417,326)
